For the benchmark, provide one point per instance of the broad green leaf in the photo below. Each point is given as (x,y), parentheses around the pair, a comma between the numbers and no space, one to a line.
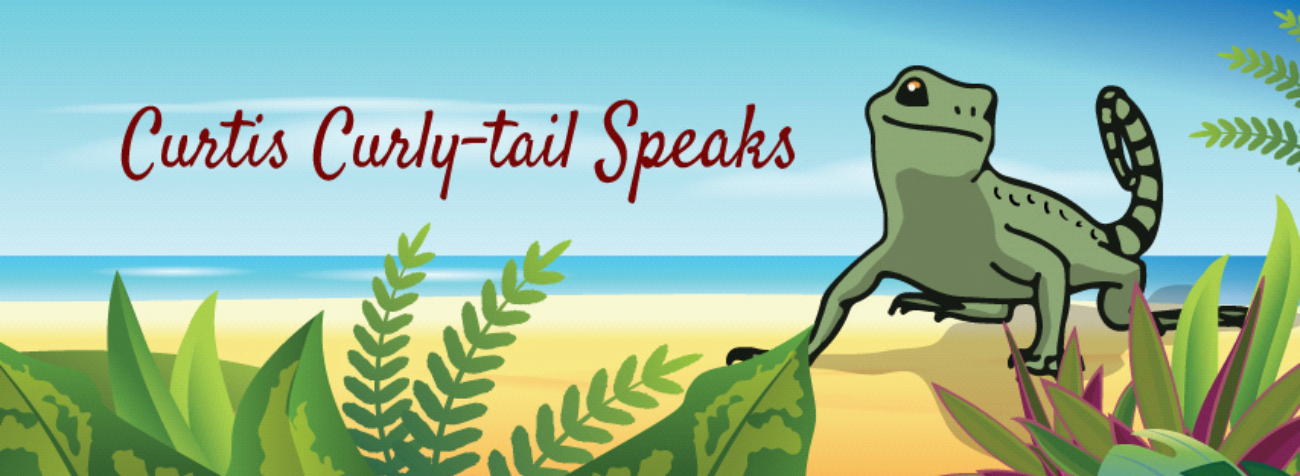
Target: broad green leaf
(1066,456)
(199,387)
(288,422)
(52,421)
(754,417)
(1278,305)
(1085,424)
(1153,384)
(141,397)
(1196,341)
(1130,460)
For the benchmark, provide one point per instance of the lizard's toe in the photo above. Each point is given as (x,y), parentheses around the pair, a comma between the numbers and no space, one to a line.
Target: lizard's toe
(741,354)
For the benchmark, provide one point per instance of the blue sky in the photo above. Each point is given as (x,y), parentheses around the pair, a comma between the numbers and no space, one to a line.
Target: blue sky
(74,74)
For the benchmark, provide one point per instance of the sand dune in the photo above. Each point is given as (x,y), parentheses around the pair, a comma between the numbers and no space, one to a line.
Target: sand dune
(877,413)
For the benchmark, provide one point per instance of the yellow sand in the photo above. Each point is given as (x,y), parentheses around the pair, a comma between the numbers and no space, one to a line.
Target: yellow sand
(876,410)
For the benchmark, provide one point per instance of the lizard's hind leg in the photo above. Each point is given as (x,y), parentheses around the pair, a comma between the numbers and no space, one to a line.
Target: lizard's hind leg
(945,307)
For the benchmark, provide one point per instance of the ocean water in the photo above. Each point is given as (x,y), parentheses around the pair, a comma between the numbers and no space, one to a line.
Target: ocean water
(90,278)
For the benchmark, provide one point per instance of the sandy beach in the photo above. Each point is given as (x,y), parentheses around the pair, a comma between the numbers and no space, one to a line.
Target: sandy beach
(877,413)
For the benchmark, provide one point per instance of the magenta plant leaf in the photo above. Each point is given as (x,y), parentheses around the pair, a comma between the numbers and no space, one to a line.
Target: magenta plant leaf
(1279,447)
(1212,423)
(1092,392)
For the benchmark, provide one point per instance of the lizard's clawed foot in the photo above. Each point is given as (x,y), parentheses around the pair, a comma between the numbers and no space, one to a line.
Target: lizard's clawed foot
(1037,364)
(741,354)
(908,302)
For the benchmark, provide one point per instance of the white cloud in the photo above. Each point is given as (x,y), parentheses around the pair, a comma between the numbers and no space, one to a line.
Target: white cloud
(177,272)
(325,104)
(440,275)
(848,178)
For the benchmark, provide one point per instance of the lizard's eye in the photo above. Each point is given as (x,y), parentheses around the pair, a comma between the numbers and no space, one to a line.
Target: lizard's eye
(913,93)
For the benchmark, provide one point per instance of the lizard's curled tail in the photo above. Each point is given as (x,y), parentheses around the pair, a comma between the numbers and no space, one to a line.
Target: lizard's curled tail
(1123,127)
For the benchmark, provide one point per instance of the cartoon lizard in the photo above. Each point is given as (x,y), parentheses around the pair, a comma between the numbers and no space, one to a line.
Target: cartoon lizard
(977,243)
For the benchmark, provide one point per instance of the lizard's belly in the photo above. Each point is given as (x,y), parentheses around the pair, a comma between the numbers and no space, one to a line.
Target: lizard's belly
(954,256)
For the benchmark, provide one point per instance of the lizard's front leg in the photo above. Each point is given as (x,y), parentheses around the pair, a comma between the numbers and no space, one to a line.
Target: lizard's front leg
(853,285)
(1035,264)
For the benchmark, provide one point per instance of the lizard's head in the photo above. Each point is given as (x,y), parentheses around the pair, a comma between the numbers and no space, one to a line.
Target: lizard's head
(927,122)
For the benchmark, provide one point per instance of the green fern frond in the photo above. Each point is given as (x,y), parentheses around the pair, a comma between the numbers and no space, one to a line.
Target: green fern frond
(1288,22)
(384,343)
(1280,140)
(1273,69)
(445,411)
(653,376)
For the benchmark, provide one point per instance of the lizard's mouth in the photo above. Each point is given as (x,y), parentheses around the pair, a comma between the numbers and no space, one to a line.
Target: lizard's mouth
(922,127)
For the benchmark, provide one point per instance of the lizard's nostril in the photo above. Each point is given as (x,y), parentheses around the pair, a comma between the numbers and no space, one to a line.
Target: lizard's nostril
(956,110)
(972,111)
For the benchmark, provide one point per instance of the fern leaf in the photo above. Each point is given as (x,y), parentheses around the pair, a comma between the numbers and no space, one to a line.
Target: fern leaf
(573,424)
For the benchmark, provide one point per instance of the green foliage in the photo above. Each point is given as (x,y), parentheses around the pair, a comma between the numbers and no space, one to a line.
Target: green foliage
(94,364)
(1277,311)
(1288,21)
(1284,75)
(1280,140)
(199,387)
(445,411)
(753,417)
(288,423)
(52,421)
(143,400)
(653,376)
(1086,442)
(1196,341)
(381,412)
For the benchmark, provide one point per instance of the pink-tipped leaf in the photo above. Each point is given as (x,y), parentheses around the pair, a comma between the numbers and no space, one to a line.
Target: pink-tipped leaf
(1092,392)
(1153,382)
(994,438)
(1124,435)
(1029,400)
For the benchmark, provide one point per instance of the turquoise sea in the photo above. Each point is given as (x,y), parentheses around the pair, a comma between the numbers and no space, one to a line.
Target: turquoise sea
(89,278)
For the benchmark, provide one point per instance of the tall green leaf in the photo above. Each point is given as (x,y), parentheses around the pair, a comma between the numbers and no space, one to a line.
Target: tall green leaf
(1277,311)
(141,397)
(1196,341)
(52,421)
(1153,384)
(199,387)
(288,423)
(996,440)
(754,417)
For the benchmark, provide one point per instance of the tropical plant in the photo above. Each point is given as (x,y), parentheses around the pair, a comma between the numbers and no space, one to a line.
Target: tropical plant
(439,443)
(551,447)
(1087,442)
(1278,139)
(381,414)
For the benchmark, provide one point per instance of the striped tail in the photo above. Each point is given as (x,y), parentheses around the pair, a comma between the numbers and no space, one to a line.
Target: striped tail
(1120,121)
